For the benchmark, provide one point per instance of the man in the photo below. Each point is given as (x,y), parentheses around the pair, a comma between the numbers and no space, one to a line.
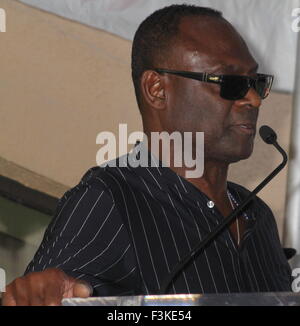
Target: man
(122,231)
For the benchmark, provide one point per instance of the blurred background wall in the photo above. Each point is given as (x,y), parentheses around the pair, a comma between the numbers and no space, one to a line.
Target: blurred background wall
(61,84)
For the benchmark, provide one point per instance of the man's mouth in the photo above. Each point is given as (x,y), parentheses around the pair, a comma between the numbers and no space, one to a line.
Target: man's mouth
(247,128)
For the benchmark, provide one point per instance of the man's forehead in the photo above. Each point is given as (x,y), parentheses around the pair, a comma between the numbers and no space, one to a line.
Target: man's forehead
(213,42)
(207,31)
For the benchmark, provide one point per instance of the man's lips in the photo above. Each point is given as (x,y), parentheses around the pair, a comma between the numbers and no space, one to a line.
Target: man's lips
(245,127)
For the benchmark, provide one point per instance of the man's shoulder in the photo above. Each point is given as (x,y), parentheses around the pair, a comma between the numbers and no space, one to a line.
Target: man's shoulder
(109,180)
(106,176)
(96,180)
(96,192)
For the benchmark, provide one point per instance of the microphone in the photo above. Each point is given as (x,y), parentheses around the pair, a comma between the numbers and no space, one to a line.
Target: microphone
(269,136)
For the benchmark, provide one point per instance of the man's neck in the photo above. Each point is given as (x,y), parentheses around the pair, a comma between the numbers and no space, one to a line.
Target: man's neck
(213,182)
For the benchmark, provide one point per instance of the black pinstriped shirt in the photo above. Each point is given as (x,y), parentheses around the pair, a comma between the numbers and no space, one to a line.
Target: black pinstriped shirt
(123,230)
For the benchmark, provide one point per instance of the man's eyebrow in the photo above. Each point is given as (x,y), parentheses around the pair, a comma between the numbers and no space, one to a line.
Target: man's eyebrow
(255,68)
(232,68)
(225,67)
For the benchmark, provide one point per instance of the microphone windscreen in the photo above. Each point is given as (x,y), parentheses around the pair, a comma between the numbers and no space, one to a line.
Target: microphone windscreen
(267,134)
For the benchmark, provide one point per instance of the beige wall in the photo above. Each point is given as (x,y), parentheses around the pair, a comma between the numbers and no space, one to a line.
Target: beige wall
(275,112)
(62,83)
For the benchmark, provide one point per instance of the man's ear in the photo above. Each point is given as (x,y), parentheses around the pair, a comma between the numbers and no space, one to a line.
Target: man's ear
(153,89)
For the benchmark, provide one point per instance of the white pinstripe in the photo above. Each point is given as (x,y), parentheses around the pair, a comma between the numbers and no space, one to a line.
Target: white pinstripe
(215,243)
(92,240)
(62,231)
(141,178)
(208,264)
(159,236)
(130,227)
(77,232)
(183,186)
(147,240)
(219,256)
(154,179)
(236,250)
(102,252)
(259,264)
(89,214)
(179,194)
(146,186)
(115,263)
(232,260)
(51,230)
(262,239)
(175,244)
(60,235)
(199,234)
(252,270)
(154,159)
(276,237)
(194,263)
(54,222)
(116,281)
(249,278)
(232,242)
(184,232)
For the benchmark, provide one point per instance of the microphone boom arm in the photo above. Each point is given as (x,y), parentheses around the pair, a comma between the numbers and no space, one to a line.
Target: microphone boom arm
(196,250)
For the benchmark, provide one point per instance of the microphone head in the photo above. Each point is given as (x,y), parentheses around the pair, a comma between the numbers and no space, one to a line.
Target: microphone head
(267,134)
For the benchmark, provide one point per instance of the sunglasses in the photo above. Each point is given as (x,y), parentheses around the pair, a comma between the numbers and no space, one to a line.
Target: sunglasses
(233,87)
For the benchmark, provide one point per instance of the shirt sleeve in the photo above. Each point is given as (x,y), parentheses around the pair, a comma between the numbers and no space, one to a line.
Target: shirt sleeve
(88,240)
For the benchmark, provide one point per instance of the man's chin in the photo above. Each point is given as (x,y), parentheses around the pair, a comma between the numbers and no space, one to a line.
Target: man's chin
(241,158)
(243,155)
(230,154)
(237,153)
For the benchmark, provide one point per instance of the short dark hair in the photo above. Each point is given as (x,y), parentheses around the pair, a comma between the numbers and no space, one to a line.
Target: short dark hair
(154,35)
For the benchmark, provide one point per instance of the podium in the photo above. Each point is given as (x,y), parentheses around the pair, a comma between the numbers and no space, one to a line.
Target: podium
(234,299)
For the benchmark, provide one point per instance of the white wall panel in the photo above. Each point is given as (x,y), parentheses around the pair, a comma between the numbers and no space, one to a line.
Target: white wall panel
(265,24)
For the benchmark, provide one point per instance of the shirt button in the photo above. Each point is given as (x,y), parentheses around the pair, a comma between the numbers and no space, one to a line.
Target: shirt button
(210,204)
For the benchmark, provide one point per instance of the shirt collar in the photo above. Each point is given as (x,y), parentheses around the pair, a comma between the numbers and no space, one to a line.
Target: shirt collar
(156,172)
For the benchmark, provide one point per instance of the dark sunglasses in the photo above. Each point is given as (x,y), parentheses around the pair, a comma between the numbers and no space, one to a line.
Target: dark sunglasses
(233,87)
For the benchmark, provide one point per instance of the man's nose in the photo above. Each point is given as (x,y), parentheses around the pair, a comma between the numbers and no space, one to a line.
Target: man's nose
(250,99)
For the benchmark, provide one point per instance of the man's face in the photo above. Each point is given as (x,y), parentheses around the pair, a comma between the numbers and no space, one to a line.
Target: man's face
(212,46)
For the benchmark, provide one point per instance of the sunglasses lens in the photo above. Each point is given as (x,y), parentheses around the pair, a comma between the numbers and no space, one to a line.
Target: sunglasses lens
(234,87)
(263,85)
